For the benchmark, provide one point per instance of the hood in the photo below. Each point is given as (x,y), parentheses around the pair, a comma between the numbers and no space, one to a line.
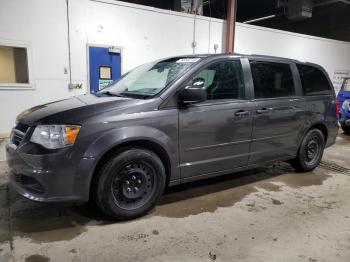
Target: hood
(73,110)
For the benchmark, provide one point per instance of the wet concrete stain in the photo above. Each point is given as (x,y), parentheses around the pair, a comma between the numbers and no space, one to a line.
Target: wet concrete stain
(155,232)
(208,195)
(55,222)
(270,187)
(276,202)
(37,258)
(45,223)
(296,180)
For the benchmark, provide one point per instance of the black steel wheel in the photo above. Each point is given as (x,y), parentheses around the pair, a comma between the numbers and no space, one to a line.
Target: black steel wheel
(310,152)
(130,183)
(133,185)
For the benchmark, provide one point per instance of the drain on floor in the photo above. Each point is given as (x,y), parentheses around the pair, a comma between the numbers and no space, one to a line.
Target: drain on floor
(334,167)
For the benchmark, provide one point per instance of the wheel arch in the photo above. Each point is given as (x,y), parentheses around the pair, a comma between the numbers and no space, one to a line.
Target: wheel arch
(151,140)
(322,127)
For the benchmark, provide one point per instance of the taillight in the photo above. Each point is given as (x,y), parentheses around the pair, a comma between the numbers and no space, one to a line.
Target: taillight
(337,108)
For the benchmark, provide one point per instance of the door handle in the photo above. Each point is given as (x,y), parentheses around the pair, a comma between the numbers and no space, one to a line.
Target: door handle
(241,113)
(263,110)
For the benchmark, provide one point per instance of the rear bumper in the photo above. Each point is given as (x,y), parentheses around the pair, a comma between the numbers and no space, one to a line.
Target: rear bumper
(49,177)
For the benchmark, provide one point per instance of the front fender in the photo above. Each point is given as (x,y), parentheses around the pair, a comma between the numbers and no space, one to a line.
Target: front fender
(118,136)
(121,135)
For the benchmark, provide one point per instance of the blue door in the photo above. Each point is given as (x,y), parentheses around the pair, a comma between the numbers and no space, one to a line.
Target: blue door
(105,67)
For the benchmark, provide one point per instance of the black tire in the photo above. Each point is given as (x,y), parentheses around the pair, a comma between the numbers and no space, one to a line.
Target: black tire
(310,151)
(346,129)
(129,184)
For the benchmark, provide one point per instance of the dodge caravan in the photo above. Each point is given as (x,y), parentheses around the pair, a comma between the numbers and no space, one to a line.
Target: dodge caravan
(170,122)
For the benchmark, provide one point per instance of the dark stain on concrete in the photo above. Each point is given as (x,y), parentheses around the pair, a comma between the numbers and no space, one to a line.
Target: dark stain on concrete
(295,180)
(155,232)
(270,187)
(224,191)
(37,258)
(208,195)
(47,223)
(58,222)
(276,202)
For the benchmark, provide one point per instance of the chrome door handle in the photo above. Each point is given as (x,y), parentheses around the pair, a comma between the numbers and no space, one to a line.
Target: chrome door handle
(263,110)
(241,113)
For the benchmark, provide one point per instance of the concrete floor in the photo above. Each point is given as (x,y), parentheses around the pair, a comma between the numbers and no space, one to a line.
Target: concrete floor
(266,214)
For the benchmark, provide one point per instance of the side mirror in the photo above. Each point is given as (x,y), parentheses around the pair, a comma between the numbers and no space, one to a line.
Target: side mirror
(193,94)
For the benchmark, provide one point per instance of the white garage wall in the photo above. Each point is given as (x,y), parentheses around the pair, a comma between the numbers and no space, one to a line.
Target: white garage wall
(143,33)
(331,54)
(39,25)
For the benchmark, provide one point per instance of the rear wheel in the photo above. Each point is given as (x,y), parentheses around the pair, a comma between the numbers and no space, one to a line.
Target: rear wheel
(310,152)
(130,183)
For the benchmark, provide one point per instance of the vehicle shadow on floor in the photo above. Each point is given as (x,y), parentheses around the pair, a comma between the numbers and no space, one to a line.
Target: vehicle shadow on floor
(55,222)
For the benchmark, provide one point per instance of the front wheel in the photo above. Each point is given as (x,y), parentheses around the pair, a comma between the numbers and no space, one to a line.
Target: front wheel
(346,129)
(130,183)
(310,152)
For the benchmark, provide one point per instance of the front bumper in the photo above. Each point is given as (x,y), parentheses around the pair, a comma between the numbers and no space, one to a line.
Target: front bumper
(49,177)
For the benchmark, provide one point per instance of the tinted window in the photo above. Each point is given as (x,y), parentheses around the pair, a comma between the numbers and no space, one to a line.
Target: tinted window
(223,80)
(313,80)
(272,79)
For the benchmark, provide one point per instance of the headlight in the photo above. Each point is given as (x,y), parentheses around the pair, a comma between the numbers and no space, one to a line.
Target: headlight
(346,105)
(55,136)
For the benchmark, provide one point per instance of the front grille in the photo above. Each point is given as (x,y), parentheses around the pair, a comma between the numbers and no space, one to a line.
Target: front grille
(22,127)
(29,183)
(17,136)
(18,133)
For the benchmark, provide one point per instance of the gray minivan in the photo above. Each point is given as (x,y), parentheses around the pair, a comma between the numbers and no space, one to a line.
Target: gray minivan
(169,122)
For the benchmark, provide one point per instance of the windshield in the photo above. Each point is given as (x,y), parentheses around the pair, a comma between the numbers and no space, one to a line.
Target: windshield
(149,79)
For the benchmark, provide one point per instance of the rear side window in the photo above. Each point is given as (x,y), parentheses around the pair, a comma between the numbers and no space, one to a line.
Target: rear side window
(272,79)
(313,80)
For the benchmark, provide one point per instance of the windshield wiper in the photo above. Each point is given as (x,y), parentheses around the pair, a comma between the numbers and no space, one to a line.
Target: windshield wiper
(136,95)
(111,94)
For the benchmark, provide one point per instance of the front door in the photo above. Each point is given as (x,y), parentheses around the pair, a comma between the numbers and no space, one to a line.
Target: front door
(279,115)
(104,67)
(215,135)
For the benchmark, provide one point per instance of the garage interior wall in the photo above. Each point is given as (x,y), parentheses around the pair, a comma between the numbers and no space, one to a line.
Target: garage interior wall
(143,33)
(333,55)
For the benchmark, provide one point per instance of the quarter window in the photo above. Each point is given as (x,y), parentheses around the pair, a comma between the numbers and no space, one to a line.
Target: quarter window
(222,80)
(272,79)
(13,65)
(313,80)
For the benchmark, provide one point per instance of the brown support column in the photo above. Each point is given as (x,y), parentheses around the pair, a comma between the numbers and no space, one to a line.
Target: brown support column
(231,21)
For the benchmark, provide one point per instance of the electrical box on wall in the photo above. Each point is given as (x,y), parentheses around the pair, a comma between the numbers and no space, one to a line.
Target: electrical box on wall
(192,6)
(300,9)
